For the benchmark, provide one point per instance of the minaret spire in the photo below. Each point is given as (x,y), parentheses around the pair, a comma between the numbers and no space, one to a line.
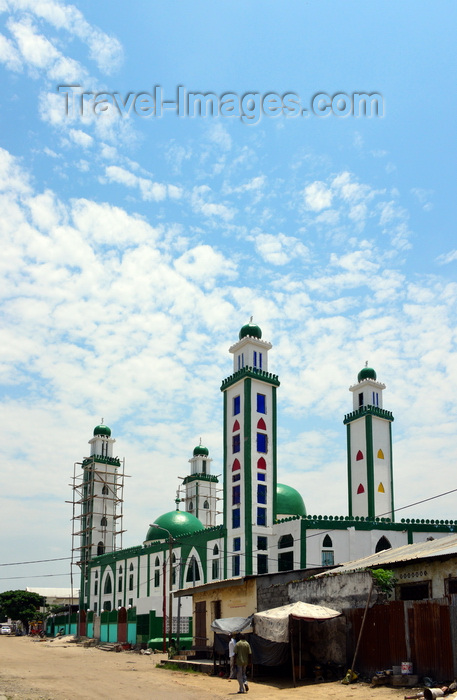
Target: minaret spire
(369,449)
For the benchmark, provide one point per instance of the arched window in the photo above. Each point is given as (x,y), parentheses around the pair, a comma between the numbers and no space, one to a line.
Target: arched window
(173,564)
(236,426)
(261,424)
(327,541)
(236,465)
(157,572)
(360,489)
(383,544)
(215,550)
(193,571)
(100,548)
(215,568)
(285,541)
(261,464)
(359,456)
(108,585)
(191,506)
(119,581)
(103,522)
(105,490)
(206,505)
(131,577)
(380,454)
(96,583)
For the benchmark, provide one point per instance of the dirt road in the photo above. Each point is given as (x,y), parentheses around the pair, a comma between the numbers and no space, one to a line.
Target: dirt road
(60,670)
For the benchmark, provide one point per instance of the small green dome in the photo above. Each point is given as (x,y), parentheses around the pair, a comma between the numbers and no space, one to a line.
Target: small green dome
(177,523)
(250,329)
(366,373)
(102,430)
(289,501)
(201,451)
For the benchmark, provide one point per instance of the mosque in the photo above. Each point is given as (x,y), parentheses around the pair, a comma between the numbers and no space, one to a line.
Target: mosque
(265,527)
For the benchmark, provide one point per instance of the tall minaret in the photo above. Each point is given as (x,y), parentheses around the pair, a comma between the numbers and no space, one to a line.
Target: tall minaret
(201,497)
(249,452)
(99,495)
(369,450)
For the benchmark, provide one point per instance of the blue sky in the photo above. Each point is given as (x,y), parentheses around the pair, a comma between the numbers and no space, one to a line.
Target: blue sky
(134,248)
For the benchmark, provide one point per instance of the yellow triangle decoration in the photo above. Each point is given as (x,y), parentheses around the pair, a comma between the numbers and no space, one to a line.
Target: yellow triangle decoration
(381,487)
(380,454)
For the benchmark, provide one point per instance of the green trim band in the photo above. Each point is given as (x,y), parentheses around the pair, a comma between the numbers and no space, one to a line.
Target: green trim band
(103,460)
(368,410)
(253,374)
(200,477)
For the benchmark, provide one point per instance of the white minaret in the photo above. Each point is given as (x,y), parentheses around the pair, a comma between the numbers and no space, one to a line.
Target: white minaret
(201,487)
(100,495)
(249,453)
(369,450)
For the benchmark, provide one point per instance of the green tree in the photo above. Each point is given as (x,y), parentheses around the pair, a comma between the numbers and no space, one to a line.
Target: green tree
(20,605)
(384,579)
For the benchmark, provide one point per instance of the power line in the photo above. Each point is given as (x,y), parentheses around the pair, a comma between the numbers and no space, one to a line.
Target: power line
(37,561)
(446,493)
(10,578)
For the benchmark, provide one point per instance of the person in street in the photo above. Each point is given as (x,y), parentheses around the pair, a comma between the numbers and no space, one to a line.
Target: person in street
(232,660)
(243,655)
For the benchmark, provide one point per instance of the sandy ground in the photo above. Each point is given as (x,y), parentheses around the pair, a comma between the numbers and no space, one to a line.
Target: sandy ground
(60,670)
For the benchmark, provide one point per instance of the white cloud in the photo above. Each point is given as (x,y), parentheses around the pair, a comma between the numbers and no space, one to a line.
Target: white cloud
(203,265)
(219,135)
(9,55)
(423,197)
(12,176)
(279,249)
(199,203)
(350,190)
(317,196)
(104,49)
(81,138)
(104,223)
(150,191)
(447,258)
(35,48)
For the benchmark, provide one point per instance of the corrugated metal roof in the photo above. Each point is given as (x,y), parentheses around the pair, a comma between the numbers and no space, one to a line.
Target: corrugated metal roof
(441,547)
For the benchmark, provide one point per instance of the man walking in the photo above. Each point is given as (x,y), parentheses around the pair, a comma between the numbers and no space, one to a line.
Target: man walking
(232,658)
(243,655)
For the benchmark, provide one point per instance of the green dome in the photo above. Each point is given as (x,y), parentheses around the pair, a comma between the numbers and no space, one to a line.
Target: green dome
(289,501)
(102,430)
(201,451)
(366,373)
(250,329)
(178,523)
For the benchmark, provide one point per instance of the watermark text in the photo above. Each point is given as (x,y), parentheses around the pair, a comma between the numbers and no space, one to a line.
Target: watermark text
(248,107)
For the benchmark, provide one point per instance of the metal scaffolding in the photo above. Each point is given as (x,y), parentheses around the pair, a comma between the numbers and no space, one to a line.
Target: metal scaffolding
(98,494)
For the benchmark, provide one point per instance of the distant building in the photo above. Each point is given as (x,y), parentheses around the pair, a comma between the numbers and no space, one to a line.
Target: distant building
(56,596)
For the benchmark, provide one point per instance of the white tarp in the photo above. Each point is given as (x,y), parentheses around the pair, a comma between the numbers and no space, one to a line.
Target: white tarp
(274,624)
(231,625)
